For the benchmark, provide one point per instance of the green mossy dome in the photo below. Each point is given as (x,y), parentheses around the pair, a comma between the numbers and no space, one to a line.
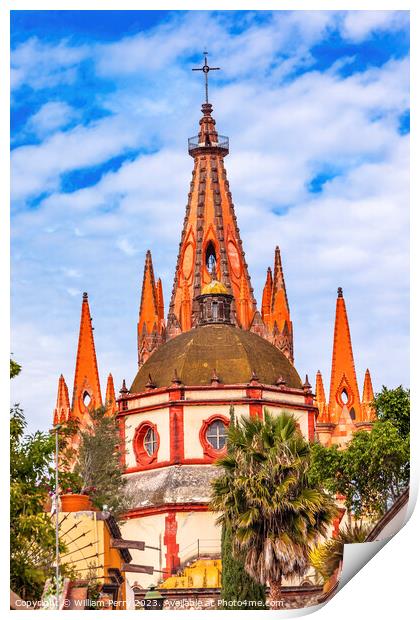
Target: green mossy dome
(234,353)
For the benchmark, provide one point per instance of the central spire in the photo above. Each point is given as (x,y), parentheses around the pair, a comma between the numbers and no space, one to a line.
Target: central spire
(210,239)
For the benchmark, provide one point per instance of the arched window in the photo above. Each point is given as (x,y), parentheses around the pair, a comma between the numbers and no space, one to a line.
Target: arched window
(86,398)
(210,256)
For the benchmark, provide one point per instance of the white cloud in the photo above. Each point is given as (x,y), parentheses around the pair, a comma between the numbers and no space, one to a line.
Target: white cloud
(51,116)
(359,25)
(43,65)
(73,291)
(37,168)
(126,246)
(283,133)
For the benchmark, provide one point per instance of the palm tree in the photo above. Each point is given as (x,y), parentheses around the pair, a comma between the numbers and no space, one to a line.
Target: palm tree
(327,556)
(265,497)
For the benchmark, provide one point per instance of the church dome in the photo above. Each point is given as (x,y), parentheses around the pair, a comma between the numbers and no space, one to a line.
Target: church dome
(214,288)
(234,353)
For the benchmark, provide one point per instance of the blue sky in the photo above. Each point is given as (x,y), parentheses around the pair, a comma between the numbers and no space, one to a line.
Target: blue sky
(316,105)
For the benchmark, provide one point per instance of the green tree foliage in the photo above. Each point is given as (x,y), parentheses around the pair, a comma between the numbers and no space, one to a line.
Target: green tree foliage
(99,465)
(374,469)
(15,368)
(276,514)
(239,590)
(326,557)
(237,584)
(394,406)
(32,534)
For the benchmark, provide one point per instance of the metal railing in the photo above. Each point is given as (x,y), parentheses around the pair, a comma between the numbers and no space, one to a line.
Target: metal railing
(194,144)
(200,548)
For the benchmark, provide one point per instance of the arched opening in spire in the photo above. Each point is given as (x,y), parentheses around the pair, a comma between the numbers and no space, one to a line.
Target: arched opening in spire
(211,261)
(344,396)
(86,398)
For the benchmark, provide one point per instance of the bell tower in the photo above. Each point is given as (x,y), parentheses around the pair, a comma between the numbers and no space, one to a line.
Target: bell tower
(210,238)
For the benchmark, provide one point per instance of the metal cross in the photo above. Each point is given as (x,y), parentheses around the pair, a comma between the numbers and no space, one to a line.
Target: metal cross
(205,69)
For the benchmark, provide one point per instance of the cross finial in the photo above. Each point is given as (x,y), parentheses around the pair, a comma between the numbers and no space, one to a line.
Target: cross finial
(205,69)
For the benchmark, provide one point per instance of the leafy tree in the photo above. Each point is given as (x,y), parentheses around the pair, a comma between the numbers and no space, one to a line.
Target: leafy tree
(394,406)
(264,494)
(327,465)
(371,472)
(32,533)
(99,465)
(237,584)
(15,368)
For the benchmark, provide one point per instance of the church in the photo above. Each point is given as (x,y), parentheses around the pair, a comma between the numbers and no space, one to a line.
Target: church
(214,350)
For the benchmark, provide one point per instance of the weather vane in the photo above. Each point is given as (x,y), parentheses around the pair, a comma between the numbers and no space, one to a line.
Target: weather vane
(205,69)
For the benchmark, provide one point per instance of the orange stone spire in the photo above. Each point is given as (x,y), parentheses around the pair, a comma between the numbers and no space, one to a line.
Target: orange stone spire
(62,410)
(110,402)
(344,413)
(275,310)
(344,391)
(210,236)
(368,410)
(320,400)
(86,390)
(151,326)
(266,297)
(159,299)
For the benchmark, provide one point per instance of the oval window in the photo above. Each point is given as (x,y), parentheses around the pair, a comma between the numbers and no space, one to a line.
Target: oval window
(344,397)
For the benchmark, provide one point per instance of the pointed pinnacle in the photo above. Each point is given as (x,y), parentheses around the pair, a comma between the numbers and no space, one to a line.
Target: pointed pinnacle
(339,292)
(254,377)
(215,380)
(307,386)
(150,384)
(175,379)
(85,296)
(123,389)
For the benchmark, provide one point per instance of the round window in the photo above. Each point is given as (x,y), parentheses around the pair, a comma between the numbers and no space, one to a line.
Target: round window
(146,443)
(216,435)
(150,441)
